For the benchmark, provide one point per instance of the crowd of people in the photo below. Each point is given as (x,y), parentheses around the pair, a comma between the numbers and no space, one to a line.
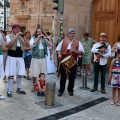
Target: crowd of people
(31,57)
(23,55)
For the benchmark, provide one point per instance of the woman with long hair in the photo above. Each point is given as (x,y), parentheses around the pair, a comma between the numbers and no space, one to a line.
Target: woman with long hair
(27,55)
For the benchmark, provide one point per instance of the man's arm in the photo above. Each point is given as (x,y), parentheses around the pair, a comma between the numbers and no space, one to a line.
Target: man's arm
(3,36)
(58,50)
(94,50)
(4,48)
(80,50)
(48,42)
(9,45)
(93,41)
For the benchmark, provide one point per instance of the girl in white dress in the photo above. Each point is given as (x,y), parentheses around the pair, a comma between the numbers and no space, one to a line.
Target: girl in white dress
(50,62)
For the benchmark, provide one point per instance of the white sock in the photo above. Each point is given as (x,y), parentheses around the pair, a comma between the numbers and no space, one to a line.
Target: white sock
(18,79)
(10,83)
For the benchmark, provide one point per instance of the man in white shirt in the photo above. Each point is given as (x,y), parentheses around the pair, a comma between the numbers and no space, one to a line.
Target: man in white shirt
(68,46)
(15,63)
(102,51)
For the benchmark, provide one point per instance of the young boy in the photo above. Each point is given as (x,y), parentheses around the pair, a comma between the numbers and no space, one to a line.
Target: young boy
(40,86)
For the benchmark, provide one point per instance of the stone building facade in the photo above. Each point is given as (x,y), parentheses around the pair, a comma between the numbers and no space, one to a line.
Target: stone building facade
(29,13)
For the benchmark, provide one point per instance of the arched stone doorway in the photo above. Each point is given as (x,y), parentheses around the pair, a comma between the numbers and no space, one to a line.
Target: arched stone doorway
(106,18)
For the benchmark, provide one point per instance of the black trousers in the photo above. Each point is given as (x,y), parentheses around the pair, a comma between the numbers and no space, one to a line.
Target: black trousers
(80,62)
(58,62)
(72,76)
(98,68)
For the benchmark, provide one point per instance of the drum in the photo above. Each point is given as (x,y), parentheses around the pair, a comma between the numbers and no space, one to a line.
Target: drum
(68,62)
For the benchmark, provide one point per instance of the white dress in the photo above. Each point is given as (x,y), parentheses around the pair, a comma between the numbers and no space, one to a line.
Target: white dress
(1,67)
(1,59)
(50,63)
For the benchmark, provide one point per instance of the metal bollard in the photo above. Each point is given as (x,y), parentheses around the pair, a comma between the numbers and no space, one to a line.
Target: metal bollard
(50,94)
(84,79)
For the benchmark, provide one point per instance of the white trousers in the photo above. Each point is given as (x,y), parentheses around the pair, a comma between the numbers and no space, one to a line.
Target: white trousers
(1,67)
(38,66)
(15,66)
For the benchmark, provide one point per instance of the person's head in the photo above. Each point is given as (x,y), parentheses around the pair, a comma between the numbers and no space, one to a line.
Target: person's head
(48,33)
(16,28)
(7,32)
(119,38)
(103,38)
(86,35)
(38,32)
(27,34)
(71,34)
(118,53)
(42,76)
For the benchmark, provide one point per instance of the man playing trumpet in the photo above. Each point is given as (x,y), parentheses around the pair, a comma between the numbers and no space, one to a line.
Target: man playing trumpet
(68,46)
(100,62)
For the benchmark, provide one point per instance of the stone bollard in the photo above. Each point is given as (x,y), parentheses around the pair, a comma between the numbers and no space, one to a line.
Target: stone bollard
(50,94)
(84,79)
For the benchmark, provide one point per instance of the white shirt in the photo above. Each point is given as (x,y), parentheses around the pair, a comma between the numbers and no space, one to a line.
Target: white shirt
(8,40)
(32,41)
(80,47)
(103,60)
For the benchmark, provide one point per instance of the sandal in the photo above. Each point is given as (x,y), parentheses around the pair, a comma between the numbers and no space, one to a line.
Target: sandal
(118,103)
(24,76)
(112,103)
(32,90)
(28,78)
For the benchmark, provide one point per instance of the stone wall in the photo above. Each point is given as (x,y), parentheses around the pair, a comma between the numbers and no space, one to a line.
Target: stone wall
(30,14)
(77,15)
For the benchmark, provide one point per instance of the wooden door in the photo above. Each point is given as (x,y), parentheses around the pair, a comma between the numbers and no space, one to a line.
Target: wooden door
(106,18)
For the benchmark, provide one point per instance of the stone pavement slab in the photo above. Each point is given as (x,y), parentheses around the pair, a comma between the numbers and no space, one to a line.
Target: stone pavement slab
(23,107)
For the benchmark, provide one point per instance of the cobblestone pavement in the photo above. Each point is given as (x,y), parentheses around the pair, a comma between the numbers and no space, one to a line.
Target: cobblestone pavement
(23,107)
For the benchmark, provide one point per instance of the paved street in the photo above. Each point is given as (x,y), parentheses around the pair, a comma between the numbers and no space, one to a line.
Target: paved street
(23,107)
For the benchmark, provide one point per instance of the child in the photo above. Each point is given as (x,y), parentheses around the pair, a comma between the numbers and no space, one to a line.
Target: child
(114,77)
(40,86)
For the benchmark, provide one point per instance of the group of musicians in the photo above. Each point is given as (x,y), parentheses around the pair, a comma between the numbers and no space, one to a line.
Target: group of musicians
(72,46)
(69,46)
